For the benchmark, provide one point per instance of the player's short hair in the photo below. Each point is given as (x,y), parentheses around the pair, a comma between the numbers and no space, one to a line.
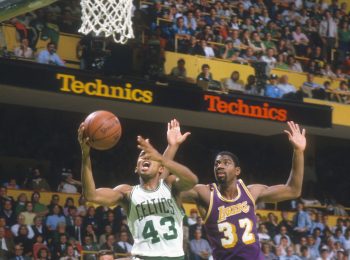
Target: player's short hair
(105,252)
(232,155)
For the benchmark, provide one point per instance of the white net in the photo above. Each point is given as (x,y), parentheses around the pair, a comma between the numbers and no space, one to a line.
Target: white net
(107,18)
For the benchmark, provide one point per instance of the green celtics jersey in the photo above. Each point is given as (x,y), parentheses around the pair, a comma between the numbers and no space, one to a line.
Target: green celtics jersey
(155,221)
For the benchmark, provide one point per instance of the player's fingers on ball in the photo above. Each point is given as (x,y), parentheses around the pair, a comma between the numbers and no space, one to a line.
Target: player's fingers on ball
(169,127)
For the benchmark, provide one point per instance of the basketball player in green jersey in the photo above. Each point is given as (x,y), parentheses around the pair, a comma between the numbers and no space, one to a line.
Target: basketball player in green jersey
(153,206)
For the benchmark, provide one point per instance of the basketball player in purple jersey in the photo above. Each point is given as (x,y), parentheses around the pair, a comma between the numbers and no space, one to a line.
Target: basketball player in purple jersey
(228,207)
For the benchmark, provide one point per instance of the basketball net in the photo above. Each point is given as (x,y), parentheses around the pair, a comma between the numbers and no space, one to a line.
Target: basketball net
(107,18)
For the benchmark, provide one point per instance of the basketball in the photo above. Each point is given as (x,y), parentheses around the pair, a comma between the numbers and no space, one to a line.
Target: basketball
(103,129)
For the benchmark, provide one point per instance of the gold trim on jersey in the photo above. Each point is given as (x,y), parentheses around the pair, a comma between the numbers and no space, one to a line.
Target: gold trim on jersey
(210,206)
(227,200)
(247,191)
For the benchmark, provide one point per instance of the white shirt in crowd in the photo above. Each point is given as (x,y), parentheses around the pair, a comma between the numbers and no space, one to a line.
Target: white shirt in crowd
(209,52)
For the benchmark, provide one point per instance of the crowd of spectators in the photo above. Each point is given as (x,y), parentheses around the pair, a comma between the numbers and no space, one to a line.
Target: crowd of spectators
(302,36)
(30,229)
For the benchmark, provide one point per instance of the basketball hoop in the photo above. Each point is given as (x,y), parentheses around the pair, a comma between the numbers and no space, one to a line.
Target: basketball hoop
(107,18)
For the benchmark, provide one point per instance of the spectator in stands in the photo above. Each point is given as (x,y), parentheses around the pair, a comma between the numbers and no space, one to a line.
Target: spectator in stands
(124,242)
(49,56)
(312,89)
(8,233)
(43,254)
(8,212)
(77,231)
(23,239)
(21,222)
(268,42)
(54,218)
(269,59)
(344,88)
(91,217)
(312,67)
(282,247)
(190,21)
(234,84)
(21,203)
(304,253)
(112,245)
(112,221)
(39,229)
(103,237)
(285,222)
(192,218)
(36,182)
(234,23)
(19,253)
(68,203)
(263,234)
(60,247)
(282,233)
(290,254)
(90,231)
(205,75)
(328,30)
(38,208)
(251,87)
(248,25)
(7,246)
(312,247)
(257,44)
(327,71)
(28,213)
(280,62)
(179,72)
(69,185)
(317,223)
(344,40)
(206,50)
(11,184)
(302,222)
(38,244)
(200,248)
(228,51)
(300,41)
(199,225)
(287,89)
(89,245)
(266,249)
(271,89)
(248,55)
(293,64)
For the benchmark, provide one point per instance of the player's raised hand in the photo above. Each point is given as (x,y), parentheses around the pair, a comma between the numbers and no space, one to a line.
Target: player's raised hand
(174,135)
(84,142)
(296,136)
(150,152)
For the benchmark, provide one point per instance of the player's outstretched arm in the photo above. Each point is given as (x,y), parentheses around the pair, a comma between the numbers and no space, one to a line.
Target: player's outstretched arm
(175,138)
(102,196)
(183,179)
(292,189)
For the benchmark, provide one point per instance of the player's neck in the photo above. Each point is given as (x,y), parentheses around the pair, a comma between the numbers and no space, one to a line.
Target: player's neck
(228,190)
(149,184)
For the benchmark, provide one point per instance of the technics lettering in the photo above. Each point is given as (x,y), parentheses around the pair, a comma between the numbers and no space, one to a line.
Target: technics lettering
(97,88)
(238,107)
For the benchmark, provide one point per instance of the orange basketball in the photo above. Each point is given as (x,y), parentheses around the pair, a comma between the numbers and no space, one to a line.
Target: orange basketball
(103,129)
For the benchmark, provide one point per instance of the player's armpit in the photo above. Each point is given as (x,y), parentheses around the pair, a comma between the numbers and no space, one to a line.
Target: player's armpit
(271,194)
(110,197)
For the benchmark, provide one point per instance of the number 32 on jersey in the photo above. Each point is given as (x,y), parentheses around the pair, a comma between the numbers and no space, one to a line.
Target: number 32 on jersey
(230,233)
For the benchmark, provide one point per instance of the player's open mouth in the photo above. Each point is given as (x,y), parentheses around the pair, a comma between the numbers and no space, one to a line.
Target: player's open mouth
(145,165)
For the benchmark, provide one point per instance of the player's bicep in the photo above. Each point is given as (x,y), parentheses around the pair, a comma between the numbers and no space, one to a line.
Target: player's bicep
(271,194)
(110,197)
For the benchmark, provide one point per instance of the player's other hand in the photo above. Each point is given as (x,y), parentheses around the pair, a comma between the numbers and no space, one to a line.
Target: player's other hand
(150,152)
(296,136)
(174,135)
(84,142)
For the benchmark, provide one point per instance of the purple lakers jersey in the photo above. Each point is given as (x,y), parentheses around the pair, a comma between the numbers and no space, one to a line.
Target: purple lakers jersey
(231,225)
